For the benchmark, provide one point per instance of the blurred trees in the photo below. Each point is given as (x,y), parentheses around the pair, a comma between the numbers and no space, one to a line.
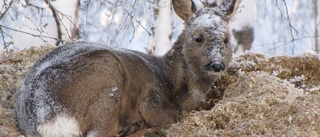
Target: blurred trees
(38,22)
(277,26)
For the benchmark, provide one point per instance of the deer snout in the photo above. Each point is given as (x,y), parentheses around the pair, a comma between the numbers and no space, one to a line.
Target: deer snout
(215,66)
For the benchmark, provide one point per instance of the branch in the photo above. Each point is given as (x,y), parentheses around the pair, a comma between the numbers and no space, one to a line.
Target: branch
(27,17)
(4,41)
(56,19)
(132,17)
(283,43)
(289,21)
(7,7)
(287,17)
(35,35)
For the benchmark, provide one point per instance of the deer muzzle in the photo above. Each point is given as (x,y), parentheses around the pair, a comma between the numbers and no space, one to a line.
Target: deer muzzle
(215,67)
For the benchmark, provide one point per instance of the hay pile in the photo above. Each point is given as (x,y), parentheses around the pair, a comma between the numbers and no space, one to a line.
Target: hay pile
(13,68)
(257,96)
(260,96)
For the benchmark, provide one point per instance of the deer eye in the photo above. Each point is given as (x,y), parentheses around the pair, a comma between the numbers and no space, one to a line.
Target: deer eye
(226,41)
(199,39)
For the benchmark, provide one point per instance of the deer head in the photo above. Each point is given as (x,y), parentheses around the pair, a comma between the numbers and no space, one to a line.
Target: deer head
(205,40)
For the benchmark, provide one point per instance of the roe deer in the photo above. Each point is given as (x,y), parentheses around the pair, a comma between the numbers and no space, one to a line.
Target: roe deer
(86,89)
(244,38)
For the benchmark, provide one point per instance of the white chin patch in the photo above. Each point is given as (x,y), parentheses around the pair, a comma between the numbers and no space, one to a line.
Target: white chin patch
(60,126)
(215,73)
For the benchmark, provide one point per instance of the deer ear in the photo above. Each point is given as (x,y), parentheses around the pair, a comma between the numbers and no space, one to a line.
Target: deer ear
(184,8)
(231,7)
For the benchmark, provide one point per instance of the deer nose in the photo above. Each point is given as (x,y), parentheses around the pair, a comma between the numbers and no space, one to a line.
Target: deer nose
(217,67)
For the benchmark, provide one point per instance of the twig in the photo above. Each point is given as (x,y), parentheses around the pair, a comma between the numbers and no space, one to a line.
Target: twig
(34,35)
(7,7)
(287,42)
(57,21)
(4,41)
(287,17)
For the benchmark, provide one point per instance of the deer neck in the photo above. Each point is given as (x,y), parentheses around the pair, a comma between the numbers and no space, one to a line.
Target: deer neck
(188,89)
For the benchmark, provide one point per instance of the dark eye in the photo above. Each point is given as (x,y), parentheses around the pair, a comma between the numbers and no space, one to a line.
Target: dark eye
(226,40)
(199,39)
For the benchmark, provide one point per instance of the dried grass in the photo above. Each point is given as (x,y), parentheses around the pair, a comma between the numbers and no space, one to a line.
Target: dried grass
(13,68)
(258,96)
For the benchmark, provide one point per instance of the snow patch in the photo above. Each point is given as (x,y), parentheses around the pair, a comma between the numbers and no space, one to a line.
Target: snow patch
(314,89)
(114,89)
(111,94)
(206,20)
(216,54)
(297,79)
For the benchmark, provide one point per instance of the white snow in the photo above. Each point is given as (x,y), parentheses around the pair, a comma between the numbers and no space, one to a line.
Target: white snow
(111,94)
(314,89)
(297,79)
(206,20)
(216,54)
(163,29)
(114,89)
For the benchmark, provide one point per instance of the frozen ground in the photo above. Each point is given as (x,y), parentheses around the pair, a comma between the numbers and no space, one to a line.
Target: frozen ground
(259,95)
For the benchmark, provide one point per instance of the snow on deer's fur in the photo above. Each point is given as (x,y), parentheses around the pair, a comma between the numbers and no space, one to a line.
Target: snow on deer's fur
(86,89)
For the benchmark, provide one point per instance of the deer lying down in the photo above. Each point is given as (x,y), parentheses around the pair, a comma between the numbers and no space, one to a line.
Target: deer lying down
(86,89)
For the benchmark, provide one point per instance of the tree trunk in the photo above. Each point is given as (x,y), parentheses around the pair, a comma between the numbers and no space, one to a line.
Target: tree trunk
(160,41)
(316,29)
(75,33)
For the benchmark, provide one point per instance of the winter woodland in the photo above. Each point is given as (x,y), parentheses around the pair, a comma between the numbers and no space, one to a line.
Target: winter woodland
(274,27)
